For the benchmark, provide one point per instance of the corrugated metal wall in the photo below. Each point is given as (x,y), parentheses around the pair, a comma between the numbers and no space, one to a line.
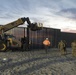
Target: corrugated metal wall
(18,32)
(37,37)
(68,37)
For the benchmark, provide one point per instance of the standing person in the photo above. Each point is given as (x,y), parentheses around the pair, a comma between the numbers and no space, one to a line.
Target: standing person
(24,44)
(30,43)
(73,45)
(61,46)
(46,44)
(65,50)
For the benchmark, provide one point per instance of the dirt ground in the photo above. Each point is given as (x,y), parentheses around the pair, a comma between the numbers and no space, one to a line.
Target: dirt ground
(37,62)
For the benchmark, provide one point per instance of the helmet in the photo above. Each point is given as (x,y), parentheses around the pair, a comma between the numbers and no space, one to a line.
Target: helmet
(46,38)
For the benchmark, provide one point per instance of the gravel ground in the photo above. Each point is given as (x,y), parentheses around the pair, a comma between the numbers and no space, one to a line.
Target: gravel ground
(37,63)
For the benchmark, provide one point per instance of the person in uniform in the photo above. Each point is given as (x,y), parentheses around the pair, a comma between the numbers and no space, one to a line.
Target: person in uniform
(61,46)
(73,45)
(46,44)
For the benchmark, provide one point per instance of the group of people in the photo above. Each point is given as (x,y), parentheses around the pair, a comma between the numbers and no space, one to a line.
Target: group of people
(61,45)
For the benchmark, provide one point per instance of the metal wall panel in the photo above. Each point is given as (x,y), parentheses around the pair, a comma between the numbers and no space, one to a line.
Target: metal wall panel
(36,37)
(68,37)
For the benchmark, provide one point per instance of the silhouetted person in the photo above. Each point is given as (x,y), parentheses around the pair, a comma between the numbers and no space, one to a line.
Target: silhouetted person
(65,46)
(24,43)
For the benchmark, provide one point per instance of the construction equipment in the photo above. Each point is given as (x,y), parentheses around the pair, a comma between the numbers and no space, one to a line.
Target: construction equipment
(9,41)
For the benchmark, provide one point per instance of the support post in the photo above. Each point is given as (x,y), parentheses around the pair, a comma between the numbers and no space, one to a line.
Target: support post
(28,37)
